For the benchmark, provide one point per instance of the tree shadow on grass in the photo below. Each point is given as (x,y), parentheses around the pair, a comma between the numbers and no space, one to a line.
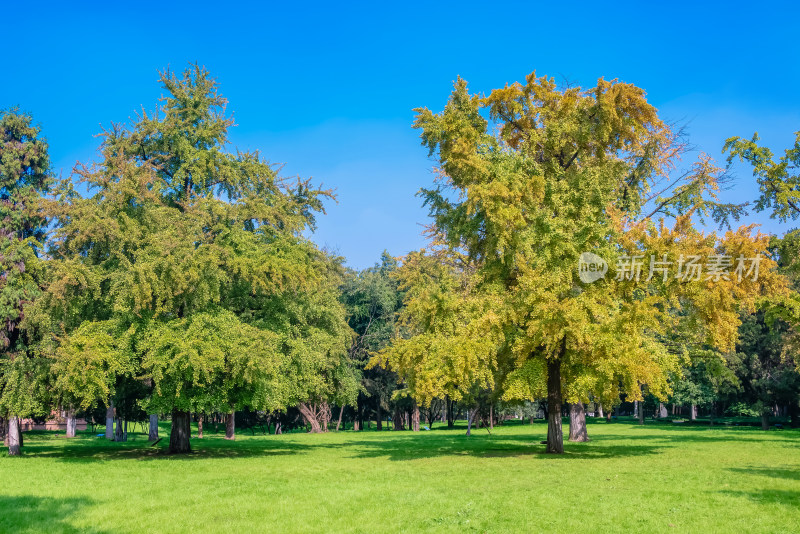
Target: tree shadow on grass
(91,450)
(415,447)
(678,434)
(27,513)
(789,498)
(787,473)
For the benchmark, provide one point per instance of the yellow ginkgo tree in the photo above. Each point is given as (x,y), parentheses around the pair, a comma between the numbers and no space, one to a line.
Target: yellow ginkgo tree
(532,178)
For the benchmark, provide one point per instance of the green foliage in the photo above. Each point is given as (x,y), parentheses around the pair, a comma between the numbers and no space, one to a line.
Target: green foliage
(202,362)
(187,268)
(24,179)
(780,188)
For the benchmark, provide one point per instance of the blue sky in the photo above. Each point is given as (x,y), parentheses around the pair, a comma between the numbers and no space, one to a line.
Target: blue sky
(329,89)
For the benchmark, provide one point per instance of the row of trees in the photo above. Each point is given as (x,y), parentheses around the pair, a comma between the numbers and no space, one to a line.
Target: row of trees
(174,276)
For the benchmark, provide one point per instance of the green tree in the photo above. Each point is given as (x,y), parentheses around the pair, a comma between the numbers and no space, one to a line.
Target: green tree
(25,177)
(183,265)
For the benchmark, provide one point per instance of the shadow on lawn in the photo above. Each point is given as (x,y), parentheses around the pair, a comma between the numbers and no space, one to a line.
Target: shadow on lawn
(26,513)
(90,450)
(678,434)
(788,498)
(773,472)
(401,448)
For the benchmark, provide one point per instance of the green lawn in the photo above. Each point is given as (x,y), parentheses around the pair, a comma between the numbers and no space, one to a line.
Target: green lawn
(656,478)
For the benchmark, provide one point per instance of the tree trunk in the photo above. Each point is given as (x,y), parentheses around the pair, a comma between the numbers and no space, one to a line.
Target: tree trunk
(693,412)
(339,422)
(662,411)
(555,438)
(278,429)
(577,423)
(152,433)
(415,418)
(491,416)
(110,421)
(71,423)
(451,416)
(4,431)
(636,409)
(230,425)
(764,420)
(14,441)
(325,414)
(470,416)
(397,420)
(641,413)
(379,415)
(310,415)
(200,426)
(180,433)
(600,410)
(118,435)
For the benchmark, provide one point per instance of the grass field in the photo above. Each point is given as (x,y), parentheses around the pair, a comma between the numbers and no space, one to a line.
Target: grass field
(656,478)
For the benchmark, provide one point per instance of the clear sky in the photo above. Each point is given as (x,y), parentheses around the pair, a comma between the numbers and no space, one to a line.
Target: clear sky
(329,89)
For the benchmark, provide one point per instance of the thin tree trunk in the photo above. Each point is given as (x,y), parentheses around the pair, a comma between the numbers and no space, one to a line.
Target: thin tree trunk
(641,413)
(491,416)
(555,437)
(180,433)
(415,418)
(451,416)
(325,413)
(379,415)
(200,426)
(71,423)
(662,411)
(110,421)
(339,422)
(636,409)
(4,431)
(152,433)
(764,420)
(230,425)
(14,441)
(577,422)
(600,410)
(470,416)
(693,412)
